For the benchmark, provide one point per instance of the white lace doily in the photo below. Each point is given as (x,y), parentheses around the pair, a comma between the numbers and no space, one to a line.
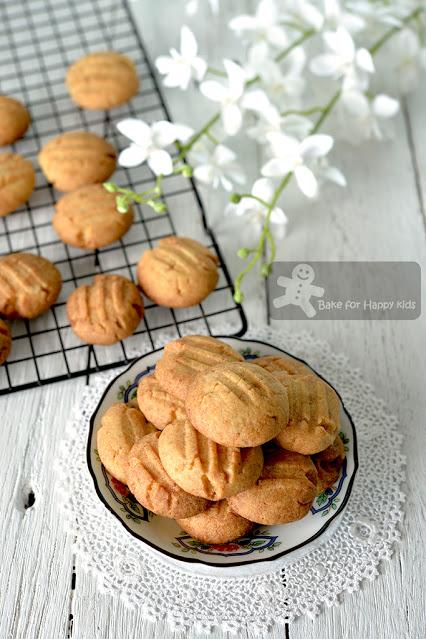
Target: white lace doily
(365,536)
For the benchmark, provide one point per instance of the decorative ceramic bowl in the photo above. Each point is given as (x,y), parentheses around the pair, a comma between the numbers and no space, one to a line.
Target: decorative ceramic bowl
(265,543)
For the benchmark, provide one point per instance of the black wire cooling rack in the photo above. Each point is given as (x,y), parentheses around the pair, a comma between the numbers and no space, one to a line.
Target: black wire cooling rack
(38,41)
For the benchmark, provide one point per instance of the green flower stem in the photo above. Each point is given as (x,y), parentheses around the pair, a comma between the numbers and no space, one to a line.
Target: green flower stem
(325,111)
(306,112)
(253,197)
(218,72)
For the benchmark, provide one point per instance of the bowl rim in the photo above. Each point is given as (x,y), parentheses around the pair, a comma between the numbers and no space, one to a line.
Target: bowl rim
(194,560)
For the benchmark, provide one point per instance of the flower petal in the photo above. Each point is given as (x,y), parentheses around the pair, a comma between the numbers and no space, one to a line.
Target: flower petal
(163,133)
(164,64)
(236,78)
(306,181)
(205,173)
(160,162)
(355,103)
(364,60)
(200,67)
(214,90)
(232,118)
(275,168)
(188,43)
(256,100)
(325,64)
(384,106)
(278,216)
(179,76)
(311,15)
(264,189)
(243,23)
(136,130)
(284,146)
(183,132)
(316,146)
(223,155)
(132,156)
(333,174)
(340,42)
(277,36)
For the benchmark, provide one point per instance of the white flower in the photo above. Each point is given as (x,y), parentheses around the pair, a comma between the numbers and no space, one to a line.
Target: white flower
(148,143)
(303,13)
(344,61)
(279,82)
(192,6)
(229,97)
(218,168)
(292,156)
(182,65)
(367,115)
(263,26)
(408,59)
(264,190)
(382,11)
(336,16)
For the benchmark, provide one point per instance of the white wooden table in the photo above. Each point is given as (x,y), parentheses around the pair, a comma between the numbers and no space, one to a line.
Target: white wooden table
(44,592)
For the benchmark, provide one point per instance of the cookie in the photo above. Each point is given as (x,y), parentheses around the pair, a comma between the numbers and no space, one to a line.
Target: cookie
(284,492)
(88,218)
(14,120)
(106,311)
(157,404)
(5,341)
(282,365)
(153,488)
(314,415)
(178,272)
(216,525)
(122,426)
(17,181)
(237,404)
(77,158)
(329,464)
(102,80)
(204,468)
(184,358)
(29,285)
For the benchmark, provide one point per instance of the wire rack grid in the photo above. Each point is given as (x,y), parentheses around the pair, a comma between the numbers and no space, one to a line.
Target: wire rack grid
(38,41)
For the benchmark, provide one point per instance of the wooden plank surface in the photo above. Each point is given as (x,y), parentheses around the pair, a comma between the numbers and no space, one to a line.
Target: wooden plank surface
(379,216)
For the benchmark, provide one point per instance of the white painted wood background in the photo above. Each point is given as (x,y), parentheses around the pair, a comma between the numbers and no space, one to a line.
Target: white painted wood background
(380,215)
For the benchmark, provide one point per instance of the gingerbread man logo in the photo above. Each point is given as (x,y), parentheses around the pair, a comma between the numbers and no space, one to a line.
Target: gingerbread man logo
(299,289)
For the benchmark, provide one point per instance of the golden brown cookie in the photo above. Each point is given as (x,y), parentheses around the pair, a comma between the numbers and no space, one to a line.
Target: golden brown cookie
(122,426)
(177,272)
(14,120)
(29,285)
(284,492)
(329,464)
(106,311)
(216,525)
(157,404)
(77,158)
(153,488)
(5,341)
(102,80)
(314,415)
(204,468)
(88,218)
(184,358)
(237,404)
(17,181)
(282,365)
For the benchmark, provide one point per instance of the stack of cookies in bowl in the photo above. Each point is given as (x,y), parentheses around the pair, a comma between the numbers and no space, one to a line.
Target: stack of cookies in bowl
(220,444)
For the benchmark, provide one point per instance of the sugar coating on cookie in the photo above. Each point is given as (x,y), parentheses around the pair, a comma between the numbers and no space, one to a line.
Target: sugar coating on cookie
(281,364)
(102,80)
(76,158)
(237,404)
(122,426)
(284,492)
(314,415)
(178,272)
(88,218)
(202,467)
(14,120)
(153,488)
(216,525)
(17,181)
(5,341)
(157,404)
(106,311)
(29,285)
(329,463)
(184,358)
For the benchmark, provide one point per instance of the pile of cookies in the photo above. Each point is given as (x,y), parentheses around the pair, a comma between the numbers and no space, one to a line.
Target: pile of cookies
(219,443)
(177,272)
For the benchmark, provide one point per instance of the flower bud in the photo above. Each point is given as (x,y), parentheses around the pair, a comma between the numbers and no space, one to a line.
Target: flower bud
(238,297)
(243,253)
(110,187)
(235,198)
